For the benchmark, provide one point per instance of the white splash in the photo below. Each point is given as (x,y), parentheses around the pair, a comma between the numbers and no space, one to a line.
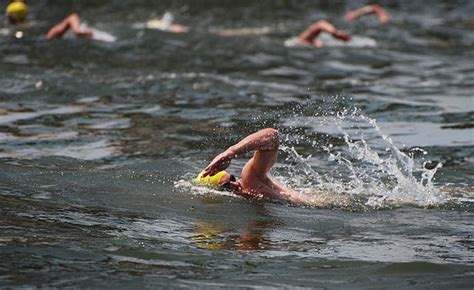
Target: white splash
(379,179)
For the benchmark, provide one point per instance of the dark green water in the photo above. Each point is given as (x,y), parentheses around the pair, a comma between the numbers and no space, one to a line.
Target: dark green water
(98,142)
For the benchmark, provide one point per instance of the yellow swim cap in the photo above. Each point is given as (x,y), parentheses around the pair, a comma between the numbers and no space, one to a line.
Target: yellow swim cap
(17,10)
(211,181)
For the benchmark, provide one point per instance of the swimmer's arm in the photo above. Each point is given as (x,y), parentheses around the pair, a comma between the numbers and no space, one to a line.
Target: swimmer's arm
(72,22)
(264,141)
(309,35)
(58,30)
(314,30)
(381,14)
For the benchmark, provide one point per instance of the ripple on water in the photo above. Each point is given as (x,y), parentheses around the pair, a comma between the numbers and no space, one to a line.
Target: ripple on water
(143,114)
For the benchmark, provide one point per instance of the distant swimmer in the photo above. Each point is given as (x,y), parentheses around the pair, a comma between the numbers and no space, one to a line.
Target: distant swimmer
(255,181)
(381,14)
(73,23)
(16,12)
(15,19)
(309,37)
(166,23)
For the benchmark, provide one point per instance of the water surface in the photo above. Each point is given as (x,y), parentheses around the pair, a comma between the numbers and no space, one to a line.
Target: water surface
(98,142)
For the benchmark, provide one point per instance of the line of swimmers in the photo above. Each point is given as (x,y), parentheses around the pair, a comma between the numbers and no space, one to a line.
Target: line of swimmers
(17,11)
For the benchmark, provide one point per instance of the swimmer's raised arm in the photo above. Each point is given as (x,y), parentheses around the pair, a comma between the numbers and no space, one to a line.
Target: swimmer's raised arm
(72,22)
(309,36)
(381,14)
(264,141)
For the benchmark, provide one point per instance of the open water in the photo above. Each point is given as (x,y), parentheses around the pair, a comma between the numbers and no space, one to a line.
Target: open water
(99,139)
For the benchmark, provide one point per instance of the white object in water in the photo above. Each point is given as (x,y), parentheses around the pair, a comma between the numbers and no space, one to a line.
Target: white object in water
(102,35)
(329,41)
(162,24)
(356,41)
(98,34)
(292,42)
(19,34)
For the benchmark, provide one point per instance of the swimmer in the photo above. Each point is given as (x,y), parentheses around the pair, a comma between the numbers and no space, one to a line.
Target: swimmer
(16,12)
(72,22)
(255,181)
(381,14)
(15,22)
(310,35)
(166,24)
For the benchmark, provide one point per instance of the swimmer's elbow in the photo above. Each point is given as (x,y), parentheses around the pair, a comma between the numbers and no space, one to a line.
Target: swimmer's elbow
(271,131)
(375,6)
(273,135)
(74,15)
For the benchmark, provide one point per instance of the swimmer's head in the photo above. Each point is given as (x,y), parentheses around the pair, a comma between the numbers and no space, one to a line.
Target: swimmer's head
(16,11)
(221,180)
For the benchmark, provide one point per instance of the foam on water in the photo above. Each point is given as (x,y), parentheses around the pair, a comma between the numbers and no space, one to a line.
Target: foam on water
(361,173)
(357,41)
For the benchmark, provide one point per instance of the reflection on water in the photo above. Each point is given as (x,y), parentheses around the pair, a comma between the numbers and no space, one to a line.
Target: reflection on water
(208,236)
(218,237)
(249,232)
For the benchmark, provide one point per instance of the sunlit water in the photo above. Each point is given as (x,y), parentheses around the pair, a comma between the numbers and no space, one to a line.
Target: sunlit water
(99,141)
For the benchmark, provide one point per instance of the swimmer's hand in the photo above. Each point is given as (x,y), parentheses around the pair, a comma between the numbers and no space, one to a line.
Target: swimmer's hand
(342,35)
(383,17)
(219,163)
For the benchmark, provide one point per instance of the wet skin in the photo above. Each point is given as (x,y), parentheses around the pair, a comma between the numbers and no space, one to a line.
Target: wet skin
(255,181)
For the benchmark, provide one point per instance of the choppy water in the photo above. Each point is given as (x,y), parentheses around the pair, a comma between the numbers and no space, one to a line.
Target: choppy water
(98,141)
